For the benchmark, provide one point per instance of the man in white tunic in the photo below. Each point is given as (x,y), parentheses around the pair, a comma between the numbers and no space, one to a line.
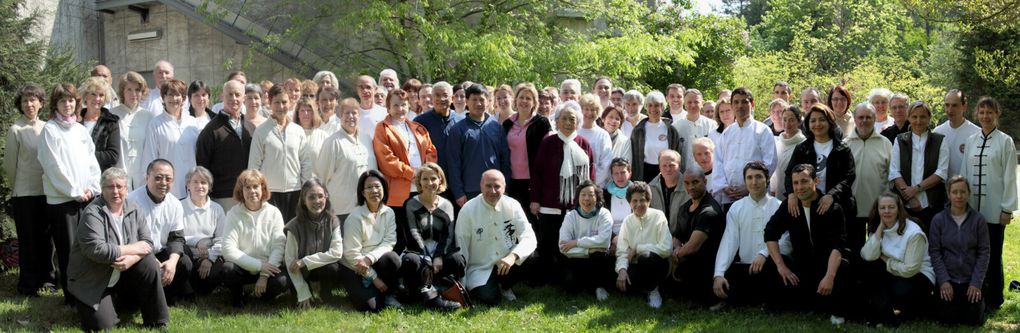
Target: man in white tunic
(957,129)
(165,216)
(693,125)
(749,140)
(370,113)
(495,239)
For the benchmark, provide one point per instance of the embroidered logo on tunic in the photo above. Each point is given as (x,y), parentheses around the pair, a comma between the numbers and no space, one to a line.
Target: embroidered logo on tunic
(510,235)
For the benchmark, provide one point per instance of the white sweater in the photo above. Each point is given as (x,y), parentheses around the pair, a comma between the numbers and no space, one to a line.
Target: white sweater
(282,156)
(646,234)
(487,233)
(311,261)
(134,125)
(368,236)
(252,237)
(204,222)
(341,161)
(908,253)
(163,218)
(601,150)
(174,141)
(68,160)
(590,233)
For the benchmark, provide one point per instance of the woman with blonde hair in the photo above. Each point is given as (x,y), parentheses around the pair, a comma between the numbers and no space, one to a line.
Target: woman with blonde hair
(431,254)
(134,121)
(253,241)
(103,125)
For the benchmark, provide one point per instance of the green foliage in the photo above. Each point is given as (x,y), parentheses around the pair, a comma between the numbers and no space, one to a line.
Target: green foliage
(988,67)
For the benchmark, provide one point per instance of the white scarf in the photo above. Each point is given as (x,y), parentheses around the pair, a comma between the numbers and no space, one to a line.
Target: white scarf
(574,168)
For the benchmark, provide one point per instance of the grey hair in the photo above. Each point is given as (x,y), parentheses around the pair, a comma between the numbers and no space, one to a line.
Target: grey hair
(656,97)
(252,88)
(635,95)
(442,85)
(704,141)
(571,82)
(900,96)
(111,174)
(326,74)
(866,106)
(389,71)
(696,92)
(571,106)
(695,170)
(199,171)
(878,92)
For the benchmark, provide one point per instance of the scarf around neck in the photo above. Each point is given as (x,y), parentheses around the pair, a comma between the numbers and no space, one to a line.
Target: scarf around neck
(618,192)
(573,169)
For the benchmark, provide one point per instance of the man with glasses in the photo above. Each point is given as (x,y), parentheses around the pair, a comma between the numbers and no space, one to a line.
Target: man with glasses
(164,215)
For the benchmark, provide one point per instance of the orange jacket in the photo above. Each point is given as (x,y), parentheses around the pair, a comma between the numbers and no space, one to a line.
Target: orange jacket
(391,153)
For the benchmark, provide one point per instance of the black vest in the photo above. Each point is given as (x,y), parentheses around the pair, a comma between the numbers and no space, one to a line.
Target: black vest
(936,194)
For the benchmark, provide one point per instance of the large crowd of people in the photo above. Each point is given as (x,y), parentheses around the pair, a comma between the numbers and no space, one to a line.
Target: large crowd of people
(446,193)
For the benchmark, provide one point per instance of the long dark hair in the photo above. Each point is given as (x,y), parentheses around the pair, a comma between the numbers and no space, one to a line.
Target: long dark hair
(829,118)
(305,214)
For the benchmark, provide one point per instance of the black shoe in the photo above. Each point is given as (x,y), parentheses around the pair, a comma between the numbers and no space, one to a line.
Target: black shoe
(442,304)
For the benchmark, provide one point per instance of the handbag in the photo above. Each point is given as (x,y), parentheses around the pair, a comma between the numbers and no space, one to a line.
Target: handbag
(456,293)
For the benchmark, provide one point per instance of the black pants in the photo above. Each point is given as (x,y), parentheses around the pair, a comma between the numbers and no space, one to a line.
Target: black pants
(960,310)
(490,293)
(417,272)
(35,251)
(328,277)
(856,232)
(286,202)
(804,295)
(692,280)
(63,219)
(138,287)
(912,296)
(647,272)
(235,278)
(386,268)
(994,279)
(548,250)
(400,218)
(586,274)
(520,190)
(181,284)
(209,283)
(749,289)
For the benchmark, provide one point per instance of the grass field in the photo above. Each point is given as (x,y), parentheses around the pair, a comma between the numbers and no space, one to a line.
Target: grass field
(538,309)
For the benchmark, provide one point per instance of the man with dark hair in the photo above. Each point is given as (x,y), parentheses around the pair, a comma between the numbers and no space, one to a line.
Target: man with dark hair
(744,141)
(475,144)
(164,215)
(956,128)
(809,274)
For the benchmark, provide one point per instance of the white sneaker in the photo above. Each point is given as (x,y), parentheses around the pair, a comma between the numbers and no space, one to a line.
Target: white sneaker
(654,299)
(391,301)
(836,320)
(509,296)
(601,294)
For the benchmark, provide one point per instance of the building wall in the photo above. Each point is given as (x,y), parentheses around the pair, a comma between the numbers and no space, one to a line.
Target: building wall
(71,25)
(197,51)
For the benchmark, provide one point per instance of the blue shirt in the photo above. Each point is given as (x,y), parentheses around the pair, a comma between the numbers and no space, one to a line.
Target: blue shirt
(472,148)
(439,128)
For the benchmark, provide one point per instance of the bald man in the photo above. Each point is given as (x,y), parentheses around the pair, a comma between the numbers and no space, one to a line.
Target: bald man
(163,72)
(495,238)
(223,145)
(104,72)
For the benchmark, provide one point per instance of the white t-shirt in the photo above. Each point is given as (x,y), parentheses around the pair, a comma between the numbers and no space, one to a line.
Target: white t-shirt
(413,155)
(822,151)
(655,141)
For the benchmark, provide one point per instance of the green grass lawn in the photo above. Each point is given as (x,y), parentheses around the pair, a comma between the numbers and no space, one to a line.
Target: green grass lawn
(541,309)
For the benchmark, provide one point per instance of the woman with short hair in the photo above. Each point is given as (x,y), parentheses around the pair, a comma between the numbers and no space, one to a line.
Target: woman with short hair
(307,116)
(585,240)
(632,103)
(254,110)
(279,148)
(253,241)
(204,221)
(172,135)
(198,96)
(431,255)
(103,125)
(921,149)
(643,246)
(134,123)
(401,146)
(611,120)
(651,136)
(601,143)
(412,88)
(370,232)
(314,245)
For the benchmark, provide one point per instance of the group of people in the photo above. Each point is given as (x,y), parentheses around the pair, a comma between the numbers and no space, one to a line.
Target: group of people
(439,193)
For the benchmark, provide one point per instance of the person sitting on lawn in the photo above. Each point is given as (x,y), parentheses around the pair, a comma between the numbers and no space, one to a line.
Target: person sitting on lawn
(314,244)
(164,215)
(496,239)
(370,233)
(699,229)
(253,243)
(642,248)
(430,254)
(584,240)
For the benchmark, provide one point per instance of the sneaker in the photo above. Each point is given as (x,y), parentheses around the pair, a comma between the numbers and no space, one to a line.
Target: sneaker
(717,306)
(654,299)
(391,301)
(509,296)
(837,320)
(601,294)
(442,304)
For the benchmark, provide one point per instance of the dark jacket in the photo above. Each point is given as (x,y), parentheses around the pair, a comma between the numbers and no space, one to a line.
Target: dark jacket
(106,137)
(959,254)
(892,132)
(441,230)
(224,153)
(839,172)
(96,247)
(545,174)
(637,148)
(209,113)
(707,218)
(811,249)
(537,130)
(936,194)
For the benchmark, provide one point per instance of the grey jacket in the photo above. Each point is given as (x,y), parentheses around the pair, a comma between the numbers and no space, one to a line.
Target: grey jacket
(96,247)
(678,198)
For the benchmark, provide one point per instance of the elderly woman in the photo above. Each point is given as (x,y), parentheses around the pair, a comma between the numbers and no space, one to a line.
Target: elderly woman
(24,176)
(198,96)
(326,79)
(786,142)
(612,118)
(314,245)
(601,143)
(632,103)
(307,116)
(504,96)
(401,147)
(925,151)
(564,160)
(524,133)
(585,240)
(253,241)
(959,249)
(432,254)
(903,278)
(833,162)
(70,172)
(255,113)
(871,153)
(990,166)
(370,232)
(643,246)
(342,158)
(279,149)
(650,137)
(134,122)
(204,221)
(839,100)
(102,124)
(879,97)
(111,261)
(172,136)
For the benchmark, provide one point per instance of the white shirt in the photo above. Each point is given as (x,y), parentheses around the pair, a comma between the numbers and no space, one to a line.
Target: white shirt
(154,102)
(601,149)
(744,236)
(881,125)
(368,236)
(621,209)
(134,125)
(369,119)
(204,222)
(175,142)
(917,164)
(956,138)
(315,139)
(68,159)
(590,233)
(739,145)
(992,176)
(411,147)
(341,161)
(163,218)
(282,155)
(117,221)
(487,233)
(252,237)
(692,130)
(656,140)
(646,234)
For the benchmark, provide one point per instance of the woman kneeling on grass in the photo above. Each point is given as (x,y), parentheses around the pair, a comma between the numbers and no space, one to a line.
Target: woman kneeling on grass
(370,233)
(643,246)
(960,249)
(431,253)
(314,244)
(584,240)
(254,242)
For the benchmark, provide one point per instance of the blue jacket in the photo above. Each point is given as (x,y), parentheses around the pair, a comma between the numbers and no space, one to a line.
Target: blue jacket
(472,148)
(439,128)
